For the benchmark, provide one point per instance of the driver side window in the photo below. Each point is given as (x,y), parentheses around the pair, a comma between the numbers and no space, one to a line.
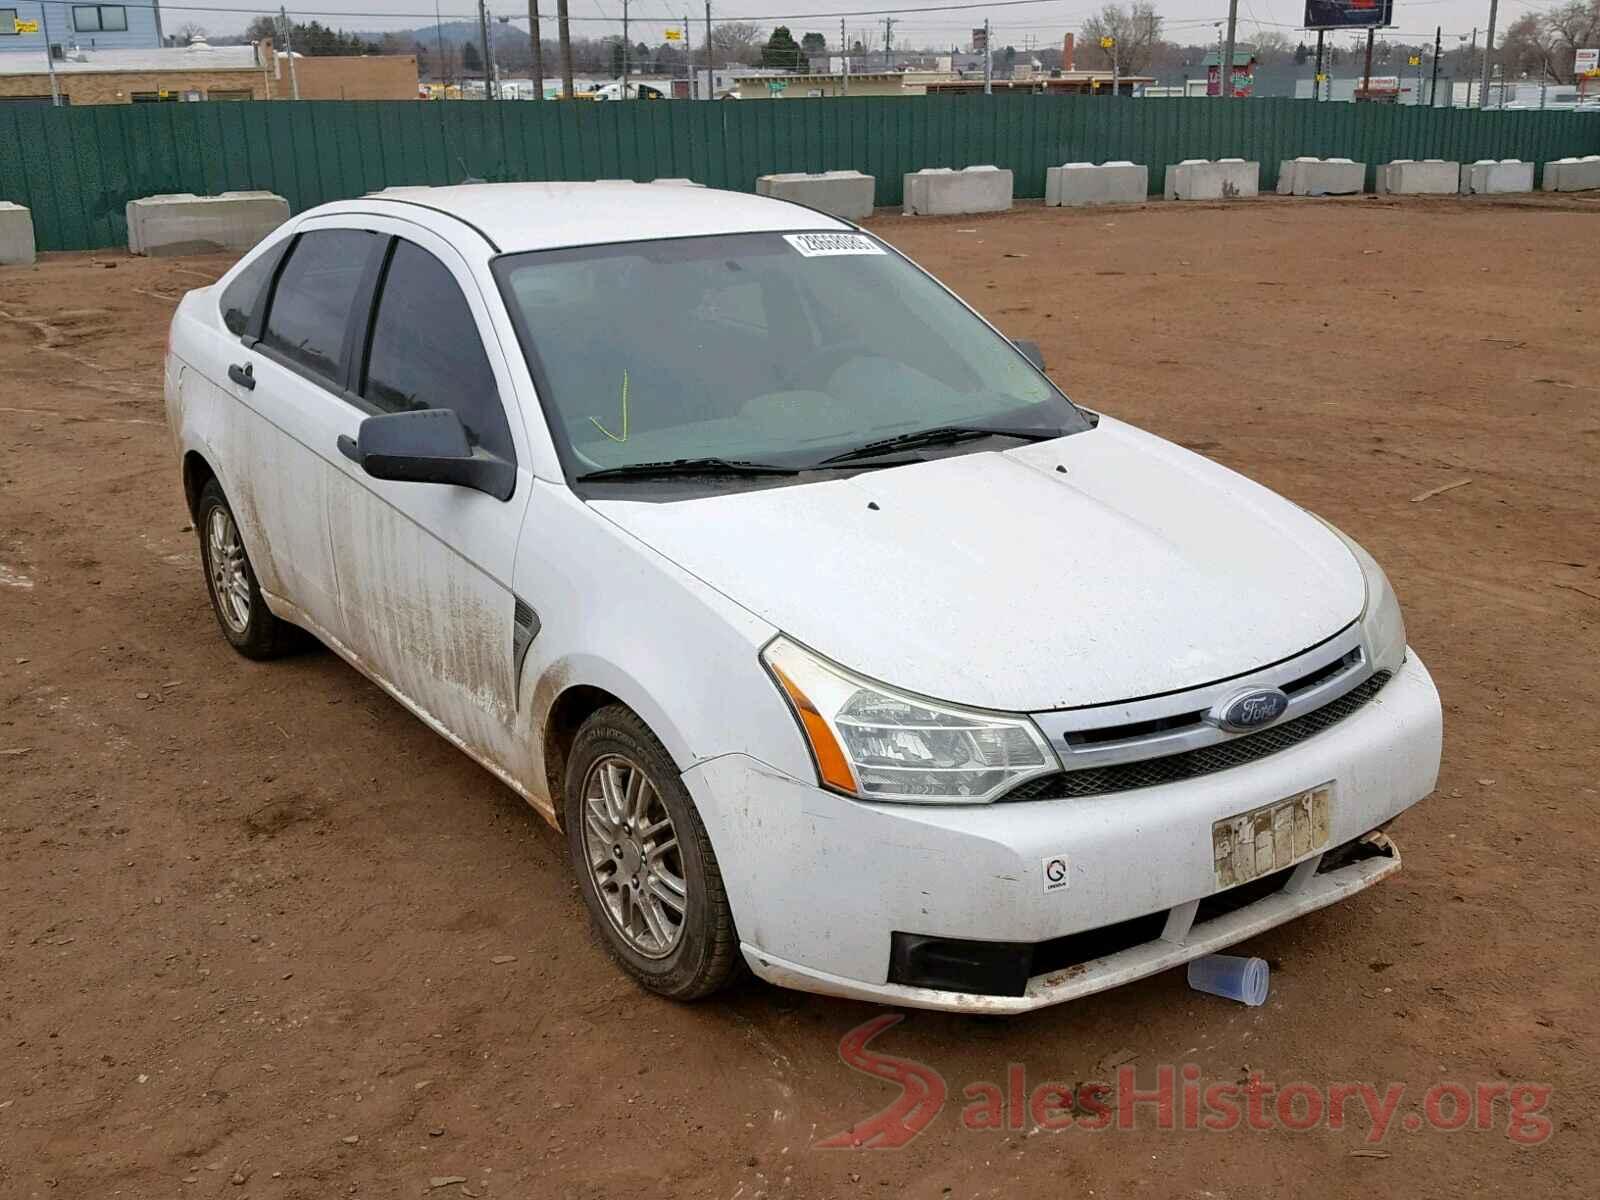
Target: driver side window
(426,352)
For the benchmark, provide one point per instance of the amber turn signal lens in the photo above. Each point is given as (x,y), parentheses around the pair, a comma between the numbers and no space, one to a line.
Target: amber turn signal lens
(831,762)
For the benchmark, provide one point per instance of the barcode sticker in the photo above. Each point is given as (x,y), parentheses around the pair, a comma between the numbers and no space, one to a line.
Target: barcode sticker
(821,245)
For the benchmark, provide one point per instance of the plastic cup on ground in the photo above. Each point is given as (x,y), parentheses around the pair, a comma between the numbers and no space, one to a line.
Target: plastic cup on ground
(1231,977)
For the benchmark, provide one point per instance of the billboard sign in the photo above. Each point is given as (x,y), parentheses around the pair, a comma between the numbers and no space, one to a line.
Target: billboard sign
(1584,61)
(1349,14)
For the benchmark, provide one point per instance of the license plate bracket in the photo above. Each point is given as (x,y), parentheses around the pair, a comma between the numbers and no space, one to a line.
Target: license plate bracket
(1271,837)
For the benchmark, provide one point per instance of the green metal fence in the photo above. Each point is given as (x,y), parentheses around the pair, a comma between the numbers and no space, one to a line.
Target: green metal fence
(77,167)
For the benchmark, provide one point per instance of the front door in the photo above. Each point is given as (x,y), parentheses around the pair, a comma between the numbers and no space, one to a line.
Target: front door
(424,570)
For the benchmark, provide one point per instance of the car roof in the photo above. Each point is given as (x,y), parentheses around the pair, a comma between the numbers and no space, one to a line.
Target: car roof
(546,216)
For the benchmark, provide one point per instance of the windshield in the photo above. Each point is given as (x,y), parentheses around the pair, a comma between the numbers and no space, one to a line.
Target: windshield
(770,348)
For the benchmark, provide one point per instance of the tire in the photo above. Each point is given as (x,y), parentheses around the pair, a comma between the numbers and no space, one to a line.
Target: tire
(235,595)
(613,844)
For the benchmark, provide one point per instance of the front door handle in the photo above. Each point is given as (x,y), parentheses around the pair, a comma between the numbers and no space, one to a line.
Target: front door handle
(243,374)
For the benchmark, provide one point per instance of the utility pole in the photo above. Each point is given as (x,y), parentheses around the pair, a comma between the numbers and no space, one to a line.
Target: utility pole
(564,33)
(49,59)
(1438,48)
(288,50)
(1366,82)
(1316,79)
(443,70)
(844,59)
(711,87)
(1488,56)
(1225,67)
(888,41)
(483,34)
(625,44)
(1472,60)
(688,50)
(988,61)
(538,49)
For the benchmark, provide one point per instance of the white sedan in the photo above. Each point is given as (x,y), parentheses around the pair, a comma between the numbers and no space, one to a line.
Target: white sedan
(839,642)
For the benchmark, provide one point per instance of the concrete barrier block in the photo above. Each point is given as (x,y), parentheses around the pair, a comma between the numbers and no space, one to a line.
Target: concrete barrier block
(1307,176)
(16,235)
(676,182)
(939,191)
(1202,179)
(1430,177)
(1499,177)
(846,194)
(184,223)
(1082,184)
(1573,174)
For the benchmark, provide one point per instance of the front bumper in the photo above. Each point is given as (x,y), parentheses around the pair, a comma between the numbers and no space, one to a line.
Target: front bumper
(819,883)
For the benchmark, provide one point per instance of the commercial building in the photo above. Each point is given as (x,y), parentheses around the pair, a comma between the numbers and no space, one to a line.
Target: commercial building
(30,27)
(202,72)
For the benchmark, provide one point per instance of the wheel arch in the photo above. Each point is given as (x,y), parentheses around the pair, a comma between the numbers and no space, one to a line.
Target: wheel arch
(197,472)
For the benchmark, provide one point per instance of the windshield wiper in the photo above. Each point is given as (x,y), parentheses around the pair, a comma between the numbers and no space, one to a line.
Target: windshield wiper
(942,435)
(686,466)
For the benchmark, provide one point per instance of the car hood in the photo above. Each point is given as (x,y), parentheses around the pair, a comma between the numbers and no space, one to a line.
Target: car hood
(1004,581)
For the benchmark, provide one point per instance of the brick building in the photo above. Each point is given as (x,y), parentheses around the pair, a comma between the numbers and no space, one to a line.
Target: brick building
(203,72)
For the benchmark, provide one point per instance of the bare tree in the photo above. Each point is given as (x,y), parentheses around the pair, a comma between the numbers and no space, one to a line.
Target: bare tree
(189,31)
(1136,28)
(737,41)
(1272,46)
(1566,30)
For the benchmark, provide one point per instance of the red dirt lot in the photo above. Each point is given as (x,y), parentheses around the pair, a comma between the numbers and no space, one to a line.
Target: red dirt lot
(250,914)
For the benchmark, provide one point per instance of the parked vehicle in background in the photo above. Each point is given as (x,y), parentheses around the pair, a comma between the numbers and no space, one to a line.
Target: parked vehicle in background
(838,640)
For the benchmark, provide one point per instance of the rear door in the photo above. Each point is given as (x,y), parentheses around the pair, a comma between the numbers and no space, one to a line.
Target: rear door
(425,570)
(287,326)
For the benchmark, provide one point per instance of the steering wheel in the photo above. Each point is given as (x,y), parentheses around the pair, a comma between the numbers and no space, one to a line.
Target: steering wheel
(824,360)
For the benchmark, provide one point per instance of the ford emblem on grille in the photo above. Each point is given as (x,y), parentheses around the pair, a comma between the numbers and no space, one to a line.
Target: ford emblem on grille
(1248,710)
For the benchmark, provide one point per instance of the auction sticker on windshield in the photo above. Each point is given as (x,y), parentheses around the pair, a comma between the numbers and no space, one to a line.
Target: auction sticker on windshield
(822,245)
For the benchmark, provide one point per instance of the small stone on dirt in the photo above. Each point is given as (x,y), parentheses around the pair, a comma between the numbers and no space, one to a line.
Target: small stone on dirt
(436,1131)
(351,1140)
(141,695)
(439,1181)
(501,960)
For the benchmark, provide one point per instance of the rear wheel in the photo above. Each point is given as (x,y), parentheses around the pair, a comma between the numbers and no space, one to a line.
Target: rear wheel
(231,582)
(644,861)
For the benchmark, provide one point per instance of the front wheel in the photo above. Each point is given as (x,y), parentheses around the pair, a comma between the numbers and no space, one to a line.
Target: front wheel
(644,861)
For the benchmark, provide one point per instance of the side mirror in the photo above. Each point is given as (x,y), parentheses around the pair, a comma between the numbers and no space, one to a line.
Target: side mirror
(1030,351)
(427,446)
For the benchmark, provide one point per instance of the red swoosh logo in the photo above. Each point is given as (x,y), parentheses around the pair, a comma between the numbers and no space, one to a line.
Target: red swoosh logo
(922,1092)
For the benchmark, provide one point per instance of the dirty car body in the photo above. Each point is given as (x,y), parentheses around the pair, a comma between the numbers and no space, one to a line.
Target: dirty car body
(981,701)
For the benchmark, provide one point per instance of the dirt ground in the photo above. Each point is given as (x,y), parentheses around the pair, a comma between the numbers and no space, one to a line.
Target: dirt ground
(252,916)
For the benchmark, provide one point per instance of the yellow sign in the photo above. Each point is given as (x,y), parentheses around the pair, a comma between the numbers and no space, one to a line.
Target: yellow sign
(674,35)
(1414,61)
(27,26)
(1322,79)
(1107,42)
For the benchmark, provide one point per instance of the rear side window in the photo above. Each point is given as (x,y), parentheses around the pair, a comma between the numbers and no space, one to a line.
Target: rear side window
(243,298)
(311,304)
(426,351)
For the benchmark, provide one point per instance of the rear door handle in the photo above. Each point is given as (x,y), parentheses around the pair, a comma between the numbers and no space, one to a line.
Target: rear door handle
(243,374)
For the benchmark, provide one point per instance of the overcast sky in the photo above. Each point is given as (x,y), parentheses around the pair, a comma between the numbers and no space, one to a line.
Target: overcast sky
(1013,24)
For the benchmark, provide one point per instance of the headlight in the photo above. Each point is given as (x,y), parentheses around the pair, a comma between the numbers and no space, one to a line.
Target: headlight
(875,743)
(1381,624)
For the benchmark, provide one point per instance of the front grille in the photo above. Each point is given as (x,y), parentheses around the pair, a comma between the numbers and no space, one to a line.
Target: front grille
(1172,768)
